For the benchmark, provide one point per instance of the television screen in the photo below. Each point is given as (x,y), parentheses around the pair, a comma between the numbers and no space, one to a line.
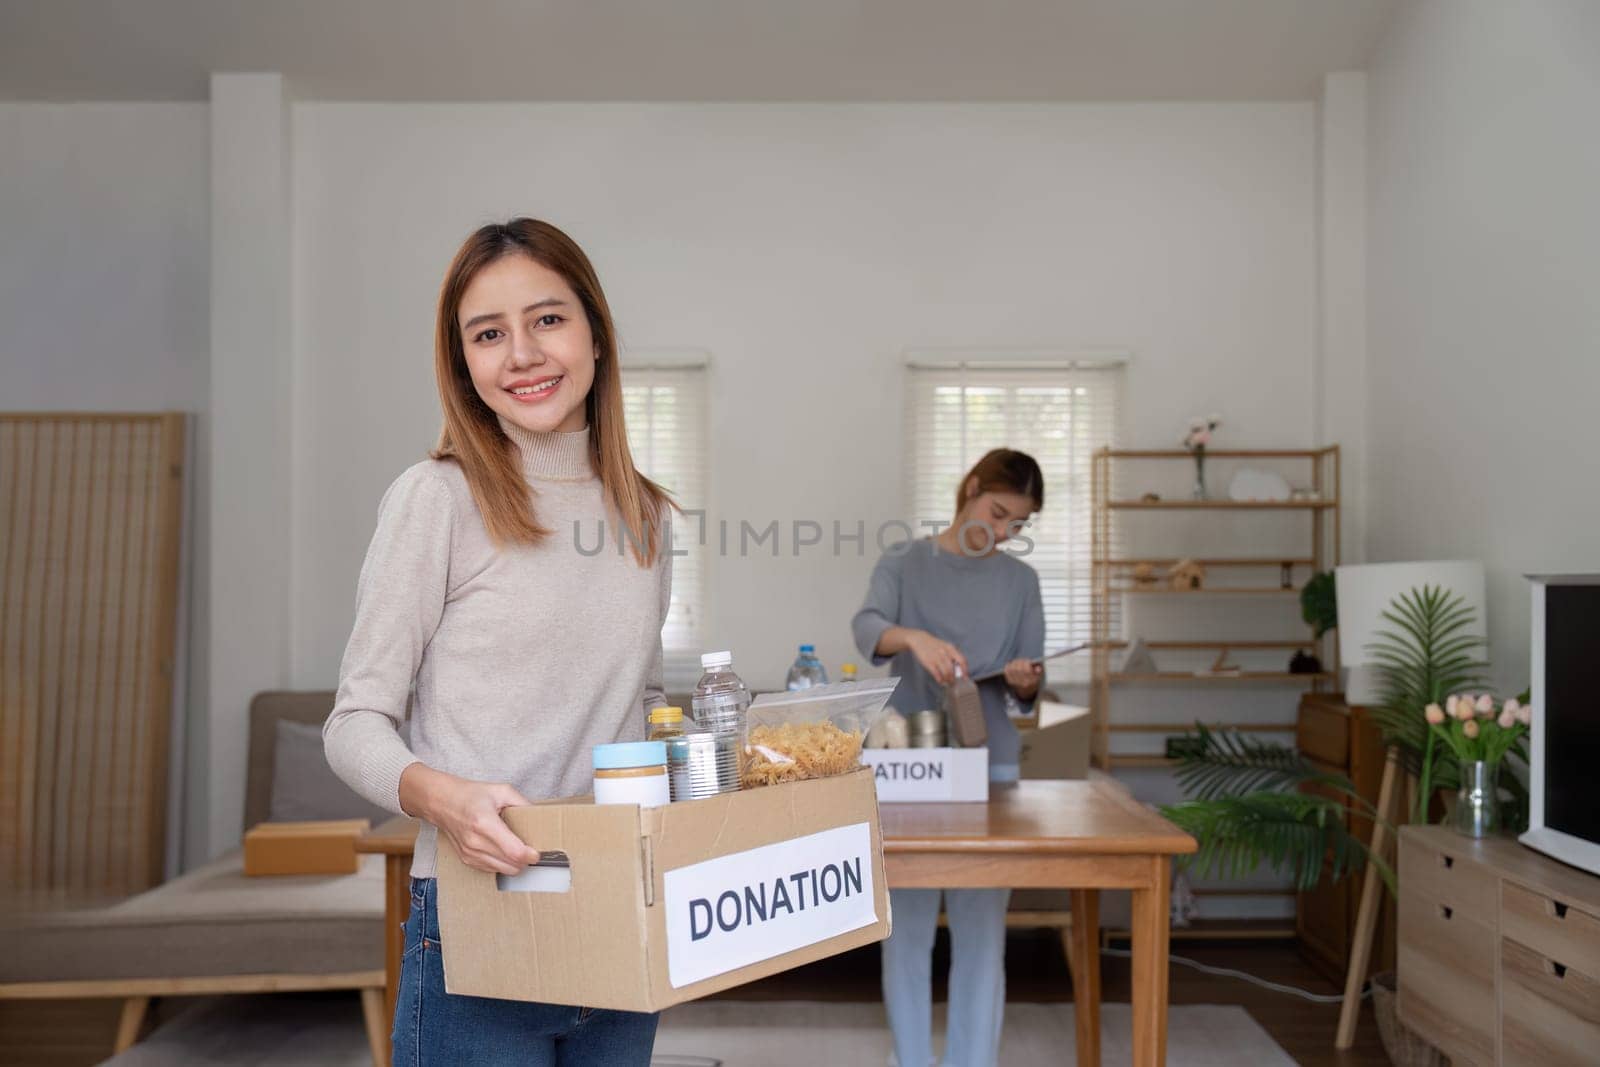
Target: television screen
(1570,717)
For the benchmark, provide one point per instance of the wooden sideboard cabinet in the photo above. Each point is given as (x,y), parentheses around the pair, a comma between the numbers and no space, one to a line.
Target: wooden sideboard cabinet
(1343,739)
(1499,952)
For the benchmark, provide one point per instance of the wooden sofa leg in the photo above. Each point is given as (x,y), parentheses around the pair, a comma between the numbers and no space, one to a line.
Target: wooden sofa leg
(377,1034)
(132,1022)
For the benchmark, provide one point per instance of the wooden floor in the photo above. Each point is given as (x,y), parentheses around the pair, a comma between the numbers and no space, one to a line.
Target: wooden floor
(79,1033)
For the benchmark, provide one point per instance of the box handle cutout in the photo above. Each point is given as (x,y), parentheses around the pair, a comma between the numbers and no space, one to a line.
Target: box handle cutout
(1558,909)
(1557,969)
(552,874)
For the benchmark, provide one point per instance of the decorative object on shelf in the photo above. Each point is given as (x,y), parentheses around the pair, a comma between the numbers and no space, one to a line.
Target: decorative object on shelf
(1196,441)
(1478,735)
(1319,603)
(1138,660)
(1303,662)
(1144,575)
(1220,665)
(1304,496)
(1286,575)
(1187,574)
(1252,484)
(1151,498)
(1183,904)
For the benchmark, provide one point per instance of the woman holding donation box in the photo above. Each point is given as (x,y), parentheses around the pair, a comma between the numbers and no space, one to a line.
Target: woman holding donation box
(951,604)
(523,652)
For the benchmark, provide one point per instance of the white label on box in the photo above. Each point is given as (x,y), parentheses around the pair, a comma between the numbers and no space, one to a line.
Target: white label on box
(929,775)
(750,906)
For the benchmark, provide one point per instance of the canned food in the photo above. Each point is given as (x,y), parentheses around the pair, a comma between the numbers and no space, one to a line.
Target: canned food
(703,764)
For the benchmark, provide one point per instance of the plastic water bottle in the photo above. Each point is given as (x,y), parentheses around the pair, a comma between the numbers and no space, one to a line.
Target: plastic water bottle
(807,670)
(720,698)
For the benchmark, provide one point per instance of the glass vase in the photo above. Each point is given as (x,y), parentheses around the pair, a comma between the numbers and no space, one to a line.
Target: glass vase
(1477,811)
(1200,475)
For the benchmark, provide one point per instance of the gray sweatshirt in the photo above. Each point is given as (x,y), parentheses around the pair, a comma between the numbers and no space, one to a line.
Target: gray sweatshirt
(522,659)
(987,607)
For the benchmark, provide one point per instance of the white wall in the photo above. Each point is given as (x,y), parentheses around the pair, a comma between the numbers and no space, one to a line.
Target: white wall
(806,247)
(104,306)
(1484,247)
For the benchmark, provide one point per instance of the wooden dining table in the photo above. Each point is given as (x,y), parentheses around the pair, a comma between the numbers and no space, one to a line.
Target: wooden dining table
(1082,836)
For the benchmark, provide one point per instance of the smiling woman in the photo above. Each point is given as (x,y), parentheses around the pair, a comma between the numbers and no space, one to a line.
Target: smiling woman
(518,651)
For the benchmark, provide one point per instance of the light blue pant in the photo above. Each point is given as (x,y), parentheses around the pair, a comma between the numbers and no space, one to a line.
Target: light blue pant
(977,920)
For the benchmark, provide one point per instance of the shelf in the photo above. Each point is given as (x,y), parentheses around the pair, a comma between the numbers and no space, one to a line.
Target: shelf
(1237,561)
(1236,676)
(1219,453)
(1140,761)
(1221,505)
(1242,644)
(1224,590)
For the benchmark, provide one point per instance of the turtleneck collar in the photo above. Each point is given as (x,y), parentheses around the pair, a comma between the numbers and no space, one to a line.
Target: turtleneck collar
(552,457)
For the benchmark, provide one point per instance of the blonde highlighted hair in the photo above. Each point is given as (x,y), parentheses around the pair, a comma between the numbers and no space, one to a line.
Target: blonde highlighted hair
(472,436)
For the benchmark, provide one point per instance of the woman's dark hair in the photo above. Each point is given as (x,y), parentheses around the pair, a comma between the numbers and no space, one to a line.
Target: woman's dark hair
(1004,470)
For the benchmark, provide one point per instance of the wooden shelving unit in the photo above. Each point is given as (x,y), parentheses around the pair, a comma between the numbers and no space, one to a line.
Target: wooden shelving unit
(1113,578)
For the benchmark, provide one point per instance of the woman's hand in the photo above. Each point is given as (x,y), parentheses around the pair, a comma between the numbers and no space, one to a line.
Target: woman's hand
(939,658)
(468,812)
(1023,676)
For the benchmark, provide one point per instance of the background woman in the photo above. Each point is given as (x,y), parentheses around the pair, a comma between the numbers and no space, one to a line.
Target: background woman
(948,602)
(523,652)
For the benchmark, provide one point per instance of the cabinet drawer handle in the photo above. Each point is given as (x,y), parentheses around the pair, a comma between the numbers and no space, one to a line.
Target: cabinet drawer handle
(1558,909)
(1445,911)
(1557,969)
(1446,862)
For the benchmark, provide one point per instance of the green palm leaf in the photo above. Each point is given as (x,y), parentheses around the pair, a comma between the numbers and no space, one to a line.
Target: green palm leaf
(1296,832)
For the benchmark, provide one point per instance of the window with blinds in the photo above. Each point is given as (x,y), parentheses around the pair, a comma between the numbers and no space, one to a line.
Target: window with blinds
(1058,413)
(665,407)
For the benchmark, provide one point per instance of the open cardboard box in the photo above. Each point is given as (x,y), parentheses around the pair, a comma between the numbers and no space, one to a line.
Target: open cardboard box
(669,904)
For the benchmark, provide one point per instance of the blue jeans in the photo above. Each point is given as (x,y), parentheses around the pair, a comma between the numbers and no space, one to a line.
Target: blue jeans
(432,1027)
(977,974)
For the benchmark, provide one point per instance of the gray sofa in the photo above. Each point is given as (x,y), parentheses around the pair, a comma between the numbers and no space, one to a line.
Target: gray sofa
(213,930)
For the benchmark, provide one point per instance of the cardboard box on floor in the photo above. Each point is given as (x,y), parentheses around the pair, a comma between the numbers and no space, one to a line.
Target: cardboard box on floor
(669,904)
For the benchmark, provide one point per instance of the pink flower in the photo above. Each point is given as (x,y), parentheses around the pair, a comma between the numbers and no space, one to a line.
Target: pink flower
(1511,705)
(1434,714)
(1450,704)
(1485,704)
(1508,717)
(1463,708)
(1470,728)
(1525,714)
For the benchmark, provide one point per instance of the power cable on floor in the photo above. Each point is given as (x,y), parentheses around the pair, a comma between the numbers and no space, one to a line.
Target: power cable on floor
(1229,972)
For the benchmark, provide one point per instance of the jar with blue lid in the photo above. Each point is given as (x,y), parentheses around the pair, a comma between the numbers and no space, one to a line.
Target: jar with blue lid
(631,772)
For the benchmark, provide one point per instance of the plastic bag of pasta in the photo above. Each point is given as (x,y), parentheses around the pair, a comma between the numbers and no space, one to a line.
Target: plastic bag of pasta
(811,733)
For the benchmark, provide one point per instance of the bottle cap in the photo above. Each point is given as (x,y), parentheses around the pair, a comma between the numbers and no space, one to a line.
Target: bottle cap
(808,648)
(716,659)
(848,668)
(666,714)
(629,754)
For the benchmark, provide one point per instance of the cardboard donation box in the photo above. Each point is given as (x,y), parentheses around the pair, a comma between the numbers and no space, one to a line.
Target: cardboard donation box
(657,906)
(929,775)
(303,847)
(1059,746)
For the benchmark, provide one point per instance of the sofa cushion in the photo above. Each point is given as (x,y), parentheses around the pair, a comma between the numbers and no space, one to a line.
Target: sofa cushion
(304,787)
(211,921)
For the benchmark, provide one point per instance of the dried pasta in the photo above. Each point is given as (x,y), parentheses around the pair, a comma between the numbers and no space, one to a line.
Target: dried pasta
(791,752)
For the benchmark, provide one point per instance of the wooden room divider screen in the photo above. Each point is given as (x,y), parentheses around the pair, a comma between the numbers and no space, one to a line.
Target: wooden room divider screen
(90,527)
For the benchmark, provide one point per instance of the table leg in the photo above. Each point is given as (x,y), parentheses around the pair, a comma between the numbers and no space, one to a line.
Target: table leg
(1086,974)
(1151,926)
(396,906)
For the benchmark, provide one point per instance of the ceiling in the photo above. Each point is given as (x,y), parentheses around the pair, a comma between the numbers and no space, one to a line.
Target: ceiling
(723,50)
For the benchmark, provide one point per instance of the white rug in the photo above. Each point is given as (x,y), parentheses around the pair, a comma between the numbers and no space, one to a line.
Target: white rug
(312,1030)
(807,1034)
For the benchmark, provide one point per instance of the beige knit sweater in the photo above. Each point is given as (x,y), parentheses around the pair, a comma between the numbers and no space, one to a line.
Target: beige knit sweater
(523,659)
